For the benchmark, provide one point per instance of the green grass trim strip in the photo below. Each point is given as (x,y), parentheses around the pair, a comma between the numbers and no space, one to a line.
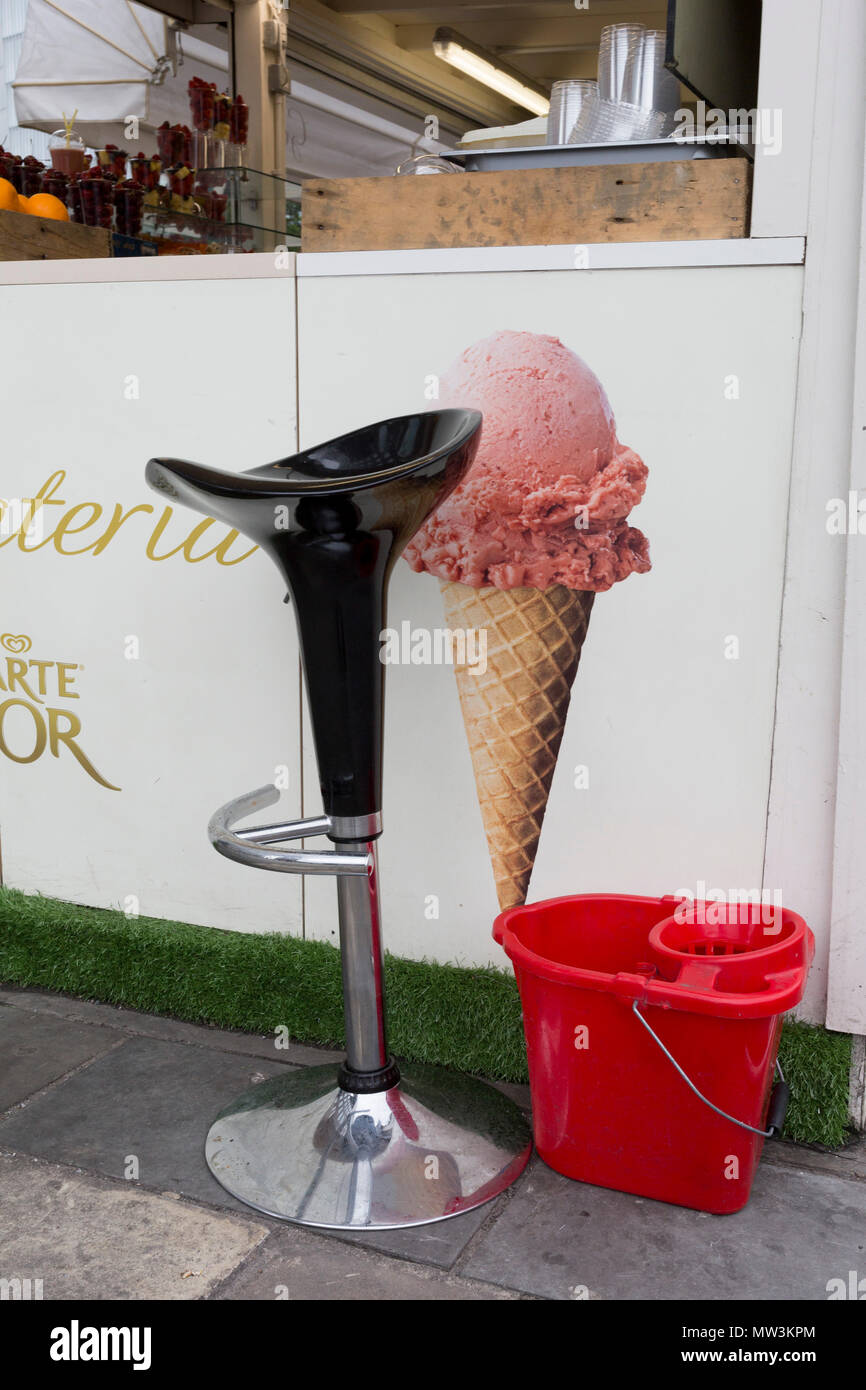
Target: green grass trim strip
(817,1066)
(468,1019)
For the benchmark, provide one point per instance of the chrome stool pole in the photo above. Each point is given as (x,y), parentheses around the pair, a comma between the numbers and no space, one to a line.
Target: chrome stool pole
(372,1143)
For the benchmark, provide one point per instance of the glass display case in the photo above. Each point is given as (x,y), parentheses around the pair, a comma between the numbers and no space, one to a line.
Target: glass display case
(223,210)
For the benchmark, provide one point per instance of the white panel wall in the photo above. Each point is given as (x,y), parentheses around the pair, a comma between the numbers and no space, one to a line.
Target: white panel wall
(96,378)
(677,738)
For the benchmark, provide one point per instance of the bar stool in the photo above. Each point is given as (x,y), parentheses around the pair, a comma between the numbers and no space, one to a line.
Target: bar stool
(371,1143)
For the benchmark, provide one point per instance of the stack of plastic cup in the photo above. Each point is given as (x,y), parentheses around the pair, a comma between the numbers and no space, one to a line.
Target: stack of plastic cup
(618,41)
(567,100)
(603,122)
(646,81)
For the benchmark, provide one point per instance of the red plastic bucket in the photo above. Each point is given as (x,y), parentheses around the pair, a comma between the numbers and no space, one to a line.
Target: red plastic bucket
(652,1028)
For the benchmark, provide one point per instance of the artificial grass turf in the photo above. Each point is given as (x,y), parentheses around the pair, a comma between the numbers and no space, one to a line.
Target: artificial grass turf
(816,1066)
(468,1019)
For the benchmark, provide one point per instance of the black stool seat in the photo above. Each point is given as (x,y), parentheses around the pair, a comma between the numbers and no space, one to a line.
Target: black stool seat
(335,519)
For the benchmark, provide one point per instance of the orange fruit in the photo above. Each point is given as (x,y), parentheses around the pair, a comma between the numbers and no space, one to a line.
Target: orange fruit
(8,197)
(22,203)
(46,205)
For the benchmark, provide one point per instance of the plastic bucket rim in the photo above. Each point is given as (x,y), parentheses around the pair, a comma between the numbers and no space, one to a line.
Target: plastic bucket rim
(788,944)
(768,1002)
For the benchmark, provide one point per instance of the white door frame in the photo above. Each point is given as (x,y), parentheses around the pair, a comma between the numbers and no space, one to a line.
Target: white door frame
(846,995)
(816,876)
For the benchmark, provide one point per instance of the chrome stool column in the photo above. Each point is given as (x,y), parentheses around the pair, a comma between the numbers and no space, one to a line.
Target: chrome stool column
(368,1144)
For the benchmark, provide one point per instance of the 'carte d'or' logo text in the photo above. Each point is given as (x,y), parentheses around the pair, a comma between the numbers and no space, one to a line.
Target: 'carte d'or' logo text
(30,721)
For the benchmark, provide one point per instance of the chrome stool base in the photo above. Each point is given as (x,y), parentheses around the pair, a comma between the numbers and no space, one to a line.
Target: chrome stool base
(301,1149)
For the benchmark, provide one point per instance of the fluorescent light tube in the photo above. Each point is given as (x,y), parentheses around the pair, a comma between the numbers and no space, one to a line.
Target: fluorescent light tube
(486,68)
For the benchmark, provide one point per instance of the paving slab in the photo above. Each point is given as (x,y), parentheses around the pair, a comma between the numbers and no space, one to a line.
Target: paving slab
(440,1244)
(86,1238)
(138,1024)
(299,1265)
(849,1162)
(148,1100)
(560,1239)
(125,1084)
(37,1049)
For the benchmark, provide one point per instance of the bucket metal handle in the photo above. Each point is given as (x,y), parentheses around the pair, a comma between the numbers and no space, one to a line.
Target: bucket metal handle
(778,1100)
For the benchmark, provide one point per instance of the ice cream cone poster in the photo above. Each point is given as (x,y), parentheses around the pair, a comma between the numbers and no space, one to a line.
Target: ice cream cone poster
(536,530)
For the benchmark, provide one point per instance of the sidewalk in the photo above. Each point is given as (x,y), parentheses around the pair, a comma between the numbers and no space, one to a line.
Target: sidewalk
(87,1090)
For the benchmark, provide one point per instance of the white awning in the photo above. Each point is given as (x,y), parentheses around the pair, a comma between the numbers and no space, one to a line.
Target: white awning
(108,62)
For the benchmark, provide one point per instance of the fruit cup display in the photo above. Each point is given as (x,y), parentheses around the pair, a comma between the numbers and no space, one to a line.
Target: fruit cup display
(113,161)
(30,173)
(174,143)
(128,206)
(145,170)
(97,200)
(180,179)
(202,104)
(55,182)
(73,199)
(165,143)
(239,123)
(202,101)
(12,163)
(211,197)
(221,128)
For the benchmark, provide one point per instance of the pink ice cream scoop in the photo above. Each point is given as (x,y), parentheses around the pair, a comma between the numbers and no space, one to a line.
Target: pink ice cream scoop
(548,497)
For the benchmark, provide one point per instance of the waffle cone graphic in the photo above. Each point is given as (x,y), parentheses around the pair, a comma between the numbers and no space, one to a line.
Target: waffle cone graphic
(514,713)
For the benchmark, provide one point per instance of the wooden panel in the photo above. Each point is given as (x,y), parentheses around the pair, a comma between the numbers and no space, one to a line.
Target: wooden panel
(26,238)
(695,199)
